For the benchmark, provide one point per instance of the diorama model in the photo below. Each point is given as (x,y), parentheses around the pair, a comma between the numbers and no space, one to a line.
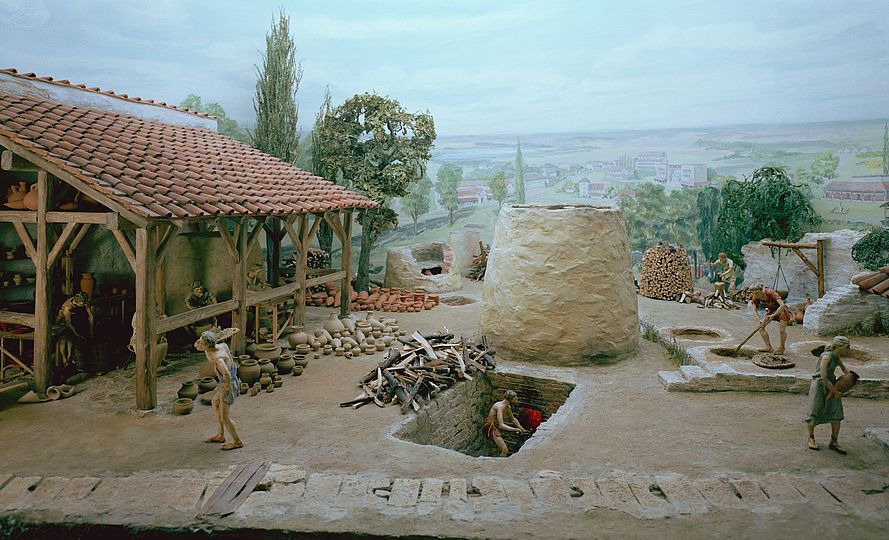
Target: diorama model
(775,309)
(496,422)
(826,392)
(220,357)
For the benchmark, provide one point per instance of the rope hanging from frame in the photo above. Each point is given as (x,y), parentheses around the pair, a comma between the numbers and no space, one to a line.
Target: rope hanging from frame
(779,271)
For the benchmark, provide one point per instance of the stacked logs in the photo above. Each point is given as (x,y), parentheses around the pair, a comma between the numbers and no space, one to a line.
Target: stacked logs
(479,264)
(378,299)
(742,295)
(665,272)
(426,366)
(874,282)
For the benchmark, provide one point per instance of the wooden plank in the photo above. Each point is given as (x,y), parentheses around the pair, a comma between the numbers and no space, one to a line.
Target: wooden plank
(11,162)
(232,478)
(144,326)
(14,317)
(819,260)
(805,260)
(18,216)
(268,296)
(25,237)
(42,290)
(227,240)
(188,317)
(335,225)
(80,234)
(72,179)
(789,244)
(60,244)
(236,491)
(346,286)
(95,218)
(327,278)
(127,248)
(165,242)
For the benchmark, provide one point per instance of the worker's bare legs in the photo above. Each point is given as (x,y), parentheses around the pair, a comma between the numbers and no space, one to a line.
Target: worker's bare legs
(834,433)
(810,427)
(217,409)
(225,409)
(782,332)
(501,444)
(765,338)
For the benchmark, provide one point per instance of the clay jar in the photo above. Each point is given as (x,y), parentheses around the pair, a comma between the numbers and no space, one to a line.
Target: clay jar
(251,347)
(297,371)
(278,381)
(267,350)
(206,384)
(297,336)
(303,349)
(265,380)
(88,283)
(249,371)
(16,194)
(30,199)
(189,390)
(285,364)
(334,325)
(183,406)
(266,367)
(301,360)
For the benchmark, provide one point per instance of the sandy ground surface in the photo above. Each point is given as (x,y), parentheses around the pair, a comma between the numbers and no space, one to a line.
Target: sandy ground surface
(618,418)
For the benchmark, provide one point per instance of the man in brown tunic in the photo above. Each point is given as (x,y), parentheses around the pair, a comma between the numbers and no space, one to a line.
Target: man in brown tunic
(495,424)
(775,309)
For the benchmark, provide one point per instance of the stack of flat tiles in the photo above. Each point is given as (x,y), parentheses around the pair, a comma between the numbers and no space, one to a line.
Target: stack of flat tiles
(874,282)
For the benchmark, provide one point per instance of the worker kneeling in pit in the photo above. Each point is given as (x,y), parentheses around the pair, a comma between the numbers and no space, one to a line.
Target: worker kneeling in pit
(495,424)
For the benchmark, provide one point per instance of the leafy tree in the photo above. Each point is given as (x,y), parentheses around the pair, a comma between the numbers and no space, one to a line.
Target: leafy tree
(448,178)
(766,205)
(801,175)
(654,216)
(381,150)
(325,233)
(498,188)
(708,213)
(276,118)
(417,201)
(824,168)
(519,174)
(886,148)
(224,125)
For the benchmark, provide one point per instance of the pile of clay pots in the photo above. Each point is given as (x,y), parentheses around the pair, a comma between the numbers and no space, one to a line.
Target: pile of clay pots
(349,337)
(379,299)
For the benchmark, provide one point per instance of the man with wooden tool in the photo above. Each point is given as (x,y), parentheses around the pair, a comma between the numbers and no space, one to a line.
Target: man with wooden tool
(727,275)
(775,309)
(495,423)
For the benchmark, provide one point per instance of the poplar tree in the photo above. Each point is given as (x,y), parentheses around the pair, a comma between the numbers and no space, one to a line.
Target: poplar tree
(886,148)
(519,174)
(325,233)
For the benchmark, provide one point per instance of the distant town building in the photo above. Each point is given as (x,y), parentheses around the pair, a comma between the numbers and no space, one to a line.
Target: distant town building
(536,179)
(874,187)
(647,162)
(585,188)
(473,193)
(685,175)
(569,188)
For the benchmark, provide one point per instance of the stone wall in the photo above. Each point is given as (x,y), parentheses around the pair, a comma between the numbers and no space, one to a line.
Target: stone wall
(844,308)
(838,262)
(454,419)
(404,266)
(465,246)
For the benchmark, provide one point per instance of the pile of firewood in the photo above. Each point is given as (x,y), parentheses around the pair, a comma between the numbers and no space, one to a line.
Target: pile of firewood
(665,272)
(742,295)
(479,264)
(426,366)
(720,301)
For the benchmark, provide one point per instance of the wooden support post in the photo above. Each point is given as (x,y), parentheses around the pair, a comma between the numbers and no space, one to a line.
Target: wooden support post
(43,291)
(239,287)
(819,256)
(146,319)
(345,288)
(299,307)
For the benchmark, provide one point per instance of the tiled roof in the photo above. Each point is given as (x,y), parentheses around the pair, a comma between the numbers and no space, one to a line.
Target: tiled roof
(863,187)
(64,82)
(158,170)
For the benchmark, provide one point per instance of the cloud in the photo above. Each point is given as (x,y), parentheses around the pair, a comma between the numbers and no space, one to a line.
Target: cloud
(24,13)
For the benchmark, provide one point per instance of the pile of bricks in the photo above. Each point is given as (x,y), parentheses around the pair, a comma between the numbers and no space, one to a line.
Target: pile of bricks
(378,299)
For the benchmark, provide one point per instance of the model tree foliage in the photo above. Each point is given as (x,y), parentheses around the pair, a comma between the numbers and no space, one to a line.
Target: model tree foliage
(447,180)
(381,150)
(418,200)
(276,130)
(498,188)
(766,205)
(519,174)
(708,214)
(654,216)
(224,125)
(325,233)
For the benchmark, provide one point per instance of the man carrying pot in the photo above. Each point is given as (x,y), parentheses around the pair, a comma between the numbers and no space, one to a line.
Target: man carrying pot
(220,357)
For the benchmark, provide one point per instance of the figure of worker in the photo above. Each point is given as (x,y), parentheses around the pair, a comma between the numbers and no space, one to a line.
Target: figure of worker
(727,274)
(220,357)
(501,412)
(775,309)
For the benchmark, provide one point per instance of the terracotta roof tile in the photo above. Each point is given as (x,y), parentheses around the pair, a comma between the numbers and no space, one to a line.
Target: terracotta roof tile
(162,170)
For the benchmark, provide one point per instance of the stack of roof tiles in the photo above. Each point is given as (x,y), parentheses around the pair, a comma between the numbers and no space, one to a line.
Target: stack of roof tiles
(874,282)
(160,171)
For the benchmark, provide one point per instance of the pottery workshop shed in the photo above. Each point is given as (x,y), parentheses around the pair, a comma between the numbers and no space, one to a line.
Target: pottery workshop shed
(146,173)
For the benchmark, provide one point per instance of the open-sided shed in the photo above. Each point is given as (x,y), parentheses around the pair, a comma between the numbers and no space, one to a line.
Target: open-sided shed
(152,180)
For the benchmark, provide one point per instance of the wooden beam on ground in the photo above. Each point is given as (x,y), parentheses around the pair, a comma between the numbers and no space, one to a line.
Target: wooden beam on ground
(43,290)
(145,321)
(239,287)
(11,162)
(25,237)
(14,317)
(235,489)
(185,318)
(60,244)
(345,288)
(127,248)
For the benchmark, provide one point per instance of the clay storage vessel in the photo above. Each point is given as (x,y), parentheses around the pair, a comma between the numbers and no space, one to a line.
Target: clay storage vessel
(183,406)
(559,287)
(249,371)
(189,390)
(206,384)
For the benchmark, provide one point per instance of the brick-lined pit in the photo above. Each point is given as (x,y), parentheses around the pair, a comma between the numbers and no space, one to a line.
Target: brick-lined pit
(454,419)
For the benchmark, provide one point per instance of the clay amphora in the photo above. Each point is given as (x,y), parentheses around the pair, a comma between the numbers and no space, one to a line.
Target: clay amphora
(844,383)
(88,283)
(249,371)
(334,325)
(297,336)
(285,364)
(30,199)
(266,366)
(183,406)
(206,384)
(189,390)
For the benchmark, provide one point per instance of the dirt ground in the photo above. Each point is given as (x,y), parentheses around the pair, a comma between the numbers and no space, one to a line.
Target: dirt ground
(619,417)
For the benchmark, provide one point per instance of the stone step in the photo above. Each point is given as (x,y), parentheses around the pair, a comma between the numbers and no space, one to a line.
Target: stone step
(672,380)
(693,372)
(680,492)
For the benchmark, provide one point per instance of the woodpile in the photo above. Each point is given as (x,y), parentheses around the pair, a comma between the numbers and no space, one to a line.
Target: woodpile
(426,366)
(378,299)
(479,264)
(874,282)
(665,272)
(742,295)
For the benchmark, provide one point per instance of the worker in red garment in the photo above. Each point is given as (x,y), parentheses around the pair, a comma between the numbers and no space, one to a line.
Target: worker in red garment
(775,309)
(495,424)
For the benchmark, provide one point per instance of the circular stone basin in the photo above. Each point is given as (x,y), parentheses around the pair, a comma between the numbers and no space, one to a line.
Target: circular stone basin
(853,354)
(457,300)
(695,333)
(729,352)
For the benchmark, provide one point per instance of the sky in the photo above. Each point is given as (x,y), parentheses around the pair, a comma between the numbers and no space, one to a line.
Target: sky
(483,67)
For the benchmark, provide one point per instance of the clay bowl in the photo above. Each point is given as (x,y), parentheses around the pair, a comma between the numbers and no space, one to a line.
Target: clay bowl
(206,384)
(183,406)
(297,371)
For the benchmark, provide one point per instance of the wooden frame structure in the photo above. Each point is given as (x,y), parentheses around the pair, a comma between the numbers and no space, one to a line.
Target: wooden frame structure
(144,243)
(796,247)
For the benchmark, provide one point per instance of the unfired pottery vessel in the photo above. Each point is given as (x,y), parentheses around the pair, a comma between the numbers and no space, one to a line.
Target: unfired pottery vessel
(183,406)
(249,371)
(189,390)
